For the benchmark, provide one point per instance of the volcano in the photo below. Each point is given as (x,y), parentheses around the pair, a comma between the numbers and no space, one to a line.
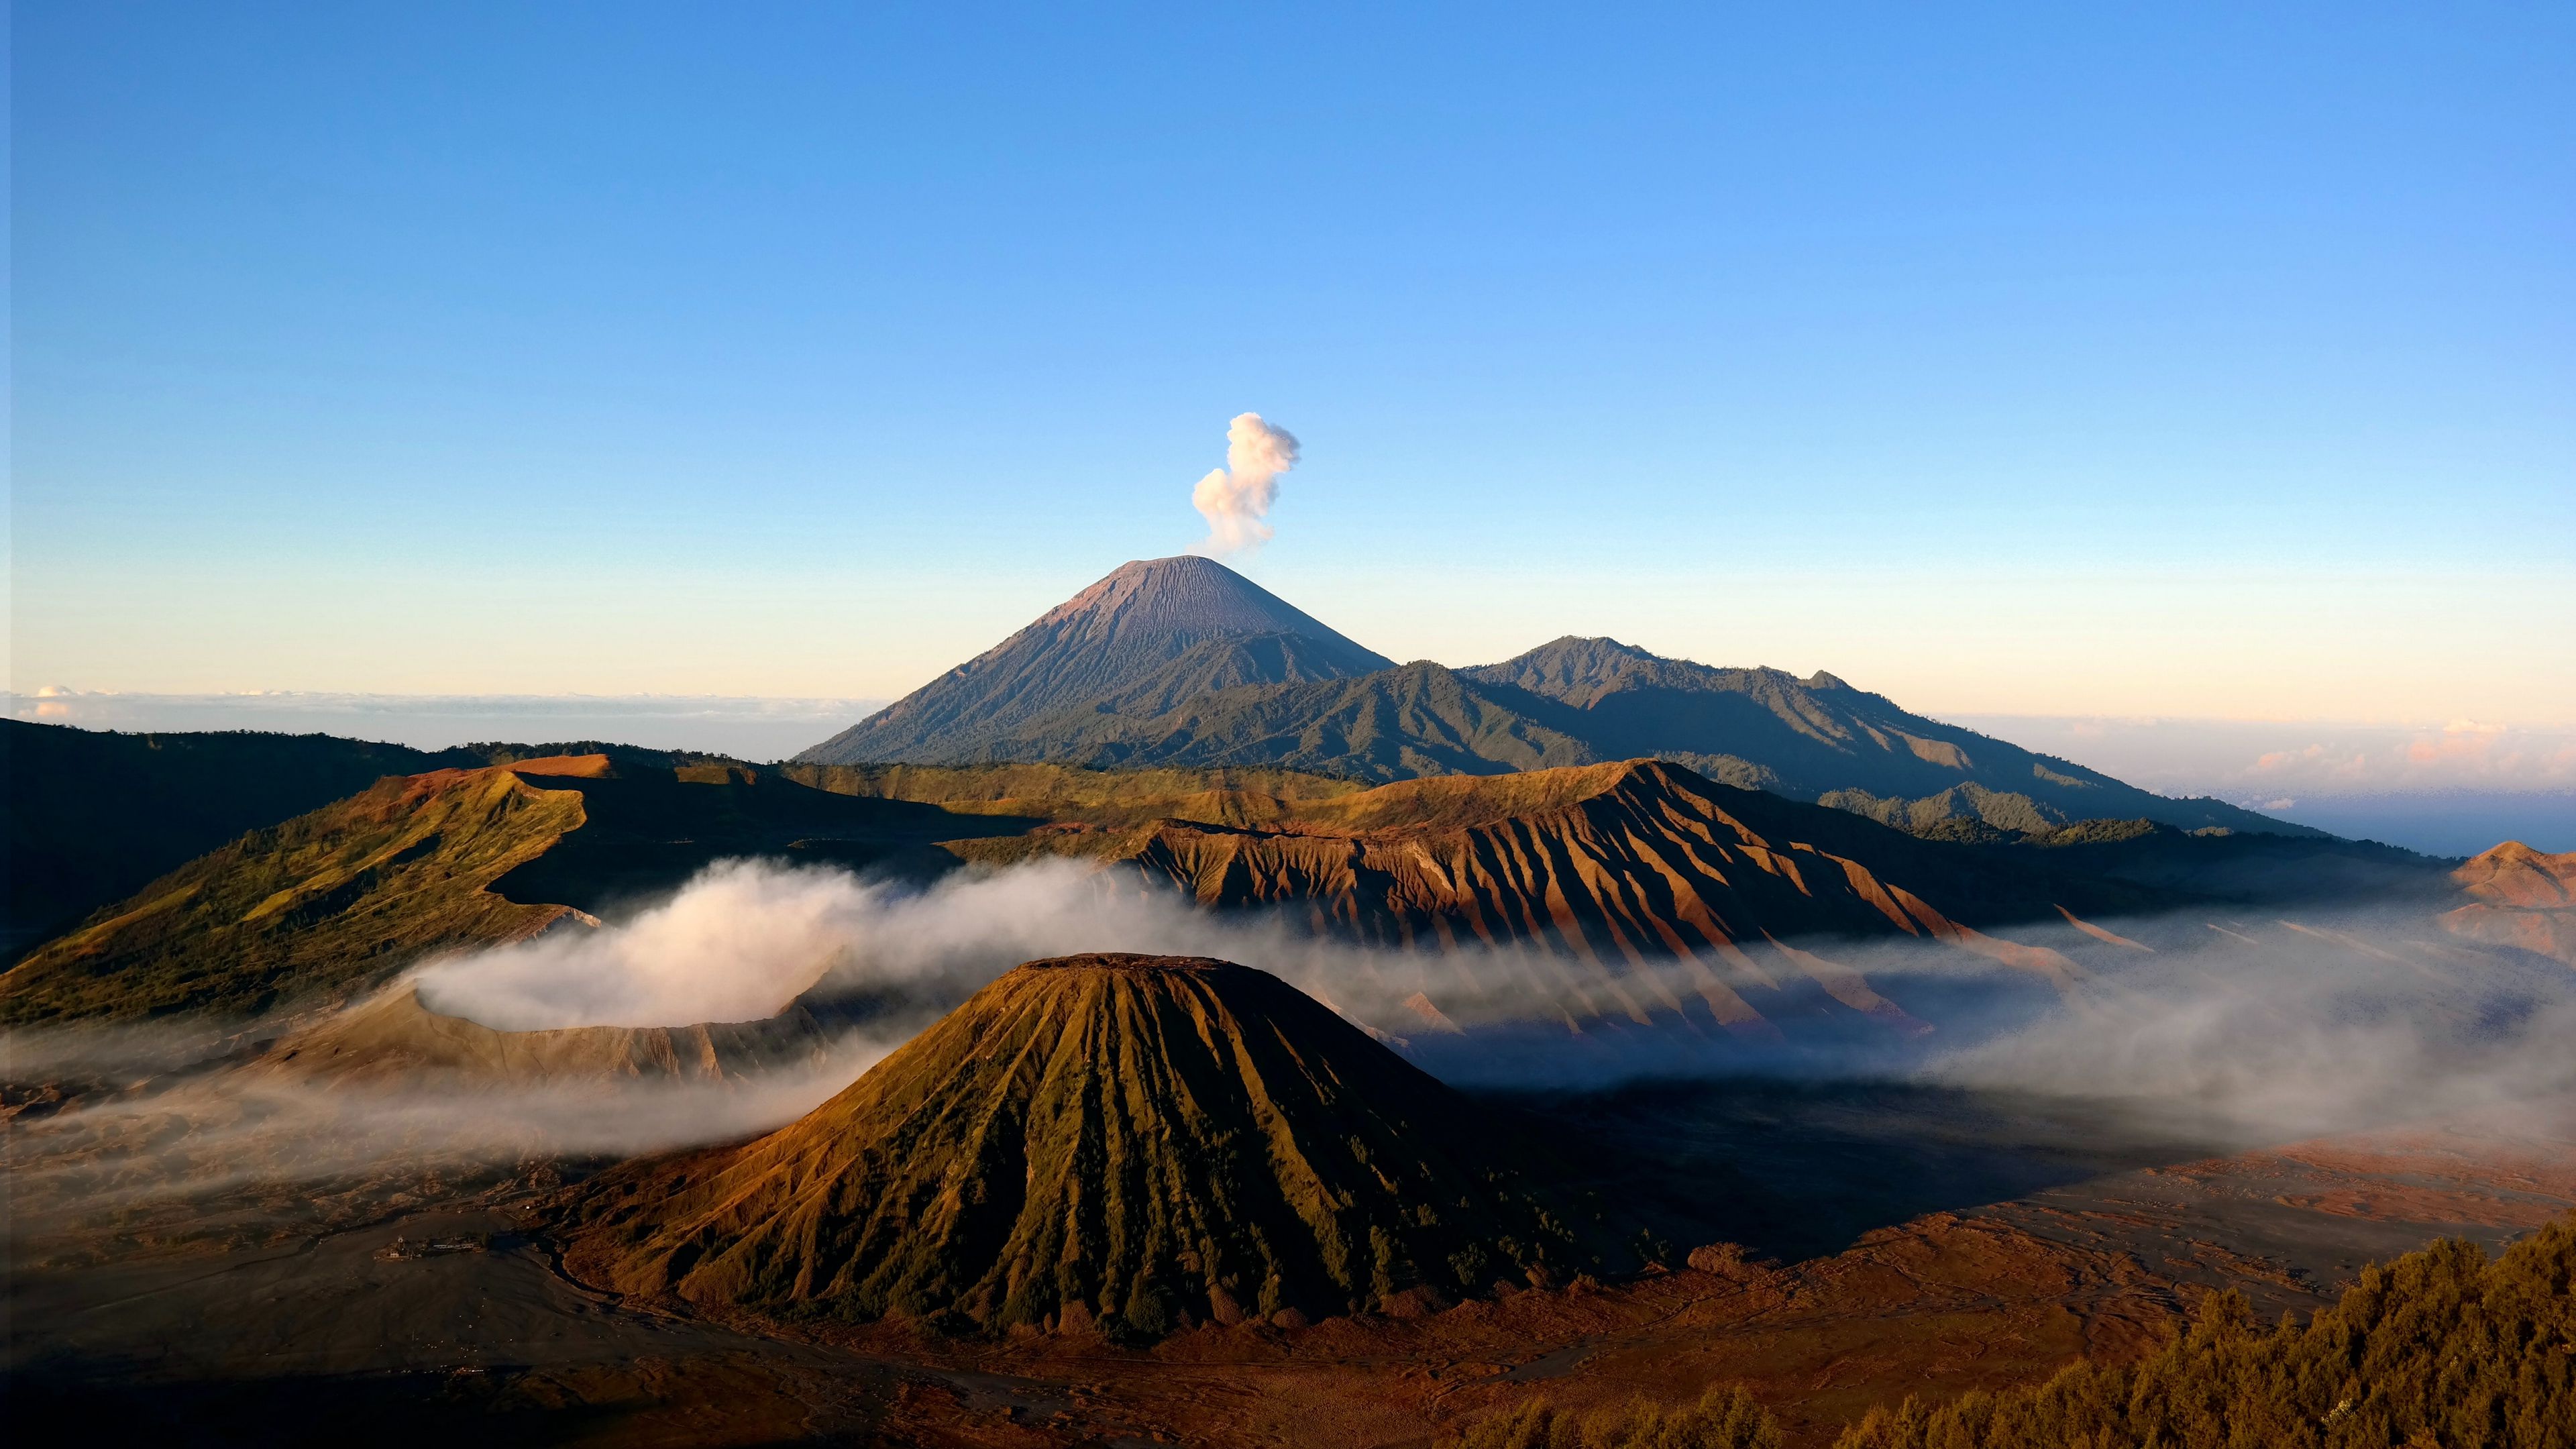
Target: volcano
(1153,632)
(1135,1143)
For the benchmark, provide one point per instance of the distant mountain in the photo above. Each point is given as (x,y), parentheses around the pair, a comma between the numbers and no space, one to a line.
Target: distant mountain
(1820,739)
(1588,701)
(1182,662)
(1416,719)
(1130,1143)
(1151,633)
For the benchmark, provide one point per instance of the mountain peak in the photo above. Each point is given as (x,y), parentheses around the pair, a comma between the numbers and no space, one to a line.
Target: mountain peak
(1182,595)
(1112,637)
(1132,1142)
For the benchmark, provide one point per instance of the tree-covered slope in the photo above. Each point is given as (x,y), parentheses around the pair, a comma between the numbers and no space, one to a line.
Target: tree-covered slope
(2439,1347)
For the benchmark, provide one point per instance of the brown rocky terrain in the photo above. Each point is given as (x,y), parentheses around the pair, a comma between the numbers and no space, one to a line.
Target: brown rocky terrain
(2519,897)
(1137,1143)
(1609,870)
(395,1040)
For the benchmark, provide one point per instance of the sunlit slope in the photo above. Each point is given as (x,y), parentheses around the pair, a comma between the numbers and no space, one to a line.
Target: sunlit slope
(2519,897)
(2440,1346)
(1137,1142)
(1152,632)
(343,896)
(319,904)
(1612,868)
(93,815)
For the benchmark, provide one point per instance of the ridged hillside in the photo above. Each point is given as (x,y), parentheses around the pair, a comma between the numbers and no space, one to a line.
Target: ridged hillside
(1398,724)
(343,897)
(2519,897)
(1131,1142)
(1120,635)
(324,902)
(1619,870)
(94,815)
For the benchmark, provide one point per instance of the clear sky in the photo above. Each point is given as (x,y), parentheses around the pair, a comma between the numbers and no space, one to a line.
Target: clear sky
(2216,361)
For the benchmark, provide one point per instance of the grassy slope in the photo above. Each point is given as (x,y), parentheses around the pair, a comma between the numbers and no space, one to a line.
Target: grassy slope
(93,815)
(342,895)
(2439,1347)
(1059,793)
(320,903)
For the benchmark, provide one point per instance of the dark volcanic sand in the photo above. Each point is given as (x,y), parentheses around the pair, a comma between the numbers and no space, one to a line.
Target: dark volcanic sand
(1900,1240)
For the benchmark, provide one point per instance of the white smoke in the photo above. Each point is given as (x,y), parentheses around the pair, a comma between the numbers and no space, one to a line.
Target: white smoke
(737,945)
(2303,1027)
(1236,498)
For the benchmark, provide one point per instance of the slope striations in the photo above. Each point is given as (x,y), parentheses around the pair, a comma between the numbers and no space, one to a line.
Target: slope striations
(1419,719)
(1118,635)
(342,897)
(1129,1141)
(1654,892)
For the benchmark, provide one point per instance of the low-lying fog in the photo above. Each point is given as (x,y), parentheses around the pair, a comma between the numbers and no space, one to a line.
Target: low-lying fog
(2301,1020)
(2281,1027)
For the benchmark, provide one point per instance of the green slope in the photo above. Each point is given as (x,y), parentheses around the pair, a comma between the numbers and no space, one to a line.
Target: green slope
(320,903)
(2440,1347)
(340,897)
(93,814)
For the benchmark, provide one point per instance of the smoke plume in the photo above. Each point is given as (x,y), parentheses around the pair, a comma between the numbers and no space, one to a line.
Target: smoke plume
(1236,498)
(737,945)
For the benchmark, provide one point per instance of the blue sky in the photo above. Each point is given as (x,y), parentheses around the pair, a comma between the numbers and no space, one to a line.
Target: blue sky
(2039,360)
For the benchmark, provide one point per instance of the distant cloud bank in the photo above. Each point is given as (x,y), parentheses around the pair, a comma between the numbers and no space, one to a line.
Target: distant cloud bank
(745,727)
(2453,789)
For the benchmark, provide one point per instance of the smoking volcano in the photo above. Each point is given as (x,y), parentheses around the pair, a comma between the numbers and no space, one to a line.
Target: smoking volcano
(1132,1142)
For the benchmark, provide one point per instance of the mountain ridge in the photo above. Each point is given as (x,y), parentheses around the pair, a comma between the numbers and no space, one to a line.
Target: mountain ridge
(1181,662)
